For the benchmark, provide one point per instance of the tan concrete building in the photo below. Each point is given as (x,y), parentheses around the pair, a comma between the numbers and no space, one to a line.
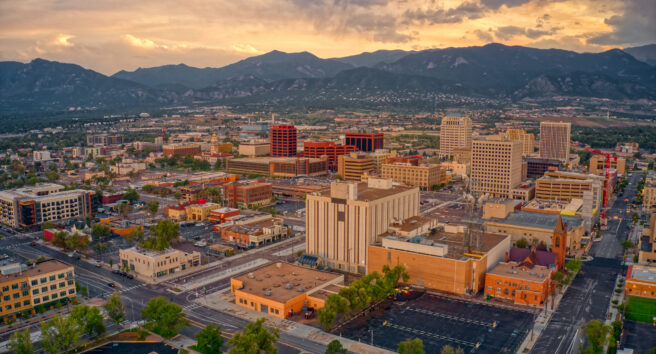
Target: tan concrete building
(354,165)
(527,140)
(200,212)
(565,186)
(440,260)
(424,176)
(555,140)
(381,157)
(343,221)
(152,265)
(496,167)
(462,155)
(538,227)
(455,132)
(598,164)
(255,148)
(649,195)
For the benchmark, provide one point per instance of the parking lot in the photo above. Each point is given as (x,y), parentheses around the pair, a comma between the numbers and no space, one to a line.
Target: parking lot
(440,321)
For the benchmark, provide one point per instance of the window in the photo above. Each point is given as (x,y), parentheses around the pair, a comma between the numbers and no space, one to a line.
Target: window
(62,284)
(70,282)
(52,277)
(62,293)
(16,295)
(37,301)
(26,292)
(8,307)
(35,282)
(5,288)
(26,303)
(54,296)
(17,305)
(46,298)
(44,289)
(43,280)
(53,287)
(35,291)
(14,286)
(71,291)
(60,275)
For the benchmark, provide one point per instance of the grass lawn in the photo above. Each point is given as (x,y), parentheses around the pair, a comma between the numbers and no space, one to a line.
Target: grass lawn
(641,309)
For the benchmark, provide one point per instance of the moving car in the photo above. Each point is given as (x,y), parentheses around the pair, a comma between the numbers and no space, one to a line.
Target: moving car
(111,285)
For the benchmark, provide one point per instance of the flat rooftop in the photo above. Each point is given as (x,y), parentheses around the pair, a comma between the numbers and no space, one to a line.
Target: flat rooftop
(254,228)
(412,223)
(643,273)
(282,282)
(538,220)
(268,159)
(51,265)
(366,193)
(455,242)
(555,205)
(512,270)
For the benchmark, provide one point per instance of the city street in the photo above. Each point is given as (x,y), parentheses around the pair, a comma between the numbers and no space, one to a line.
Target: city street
(590,293)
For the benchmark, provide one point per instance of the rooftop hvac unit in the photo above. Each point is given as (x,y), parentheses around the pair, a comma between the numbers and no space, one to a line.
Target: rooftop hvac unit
(267,292)
(300,289)
(288,286)
(251,275)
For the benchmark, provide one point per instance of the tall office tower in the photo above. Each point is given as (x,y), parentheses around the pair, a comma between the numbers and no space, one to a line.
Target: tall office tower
(455,132)
(283,140)
(368,142)
(343,221)
(496,167)
(316,149)
(527,140)
(555,140)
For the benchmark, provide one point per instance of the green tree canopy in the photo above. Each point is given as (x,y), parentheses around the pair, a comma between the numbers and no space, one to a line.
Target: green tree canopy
(21,343)
(152,207)
(115,308)
(162,234)
(209,340)
(60,333)
(90,319)
(131,195)
(163,317)
(411,346)
(335,347)
(255,338)
(100,230)
(597,334)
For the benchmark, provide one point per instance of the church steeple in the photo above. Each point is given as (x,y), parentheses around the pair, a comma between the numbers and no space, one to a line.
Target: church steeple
(559,242)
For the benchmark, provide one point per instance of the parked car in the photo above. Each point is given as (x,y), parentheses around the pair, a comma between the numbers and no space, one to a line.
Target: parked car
(130,276)
(33,244)
(116,271)
(111,285)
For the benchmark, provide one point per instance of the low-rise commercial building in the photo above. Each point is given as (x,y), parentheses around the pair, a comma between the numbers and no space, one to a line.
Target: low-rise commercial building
(440,260)
(641,281)
(151,265)
(245,194)
(253,148)
(255,234)
(182,149)
(220,215)
(121,227)
(523,284)
(200,211)
(598,164)
(283,289)
(278,166)
(421,175)
(127,167)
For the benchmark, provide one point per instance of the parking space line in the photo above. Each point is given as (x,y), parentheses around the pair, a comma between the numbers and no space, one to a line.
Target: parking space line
(433,335)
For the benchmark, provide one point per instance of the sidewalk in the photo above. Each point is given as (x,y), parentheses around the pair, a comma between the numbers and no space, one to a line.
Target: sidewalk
(224,302)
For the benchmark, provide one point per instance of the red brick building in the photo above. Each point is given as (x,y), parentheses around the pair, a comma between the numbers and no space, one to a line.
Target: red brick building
(181,149)
(283,140)
(365,141)
(243,194)
(317,149)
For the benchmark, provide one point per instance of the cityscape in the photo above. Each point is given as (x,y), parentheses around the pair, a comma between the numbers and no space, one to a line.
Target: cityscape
(481,192)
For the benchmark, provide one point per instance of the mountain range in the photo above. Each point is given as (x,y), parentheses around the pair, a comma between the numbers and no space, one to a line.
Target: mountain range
(490,71)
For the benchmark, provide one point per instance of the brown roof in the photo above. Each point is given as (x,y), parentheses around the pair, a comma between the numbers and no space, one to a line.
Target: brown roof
(283,280)
(366,193)
(45,267)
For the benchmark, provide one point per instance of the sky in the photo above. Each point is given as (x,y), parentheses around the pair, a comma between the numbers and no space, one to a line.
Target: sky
(112,35)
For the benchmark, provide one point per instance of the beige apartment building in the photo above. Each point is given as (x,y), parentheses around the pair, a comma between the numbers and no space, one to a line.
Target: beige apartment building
(598,164)
(50,281)
(496,167)
(343,221)
(565,186)
(424,176)
(527,140)
(151,265)
(649,195)
(462,155)
(381,157)
(455,132)
(352,166)
(555,140)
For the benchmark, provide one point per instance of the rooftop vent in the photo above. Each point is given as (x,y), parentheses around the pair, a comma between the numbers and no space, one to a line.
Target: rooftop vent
(300,289)
(267,292)
(251,275)
(279,265)
(288,286)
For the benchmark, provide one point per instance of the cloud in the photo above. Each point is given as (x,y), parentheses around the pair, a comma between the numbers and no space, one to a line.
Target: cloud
(508,32)
(143,42)
(495,4)
(635,26)
(63,40)
(467,10)
(485,36)
(245,48)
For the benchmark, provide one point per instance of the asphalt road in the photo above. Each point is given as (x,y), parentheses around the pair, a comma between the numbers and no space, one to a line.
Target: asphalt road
(589,295)
(136,294)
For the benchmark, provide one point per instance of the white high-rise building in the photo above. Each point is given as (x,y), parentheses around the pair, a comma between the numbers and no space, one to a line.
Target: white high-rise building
(455,132)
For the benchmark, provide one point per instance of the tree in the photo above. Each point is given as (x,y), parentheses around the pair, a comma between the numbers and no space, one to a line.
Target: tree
(47,225)
(326,316)
(90,319)
(335,347)
(152,207)
(124,209)
(447,349)
(597,334)
(627,244)
(209,340)
(52,176)
(100,231)
(522,243)
(111,262)
(60,333)
(84,290)
(131,195)
(411,346)
(255,338)
(165,231)
(163,317)
(115,308)
(21,343)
